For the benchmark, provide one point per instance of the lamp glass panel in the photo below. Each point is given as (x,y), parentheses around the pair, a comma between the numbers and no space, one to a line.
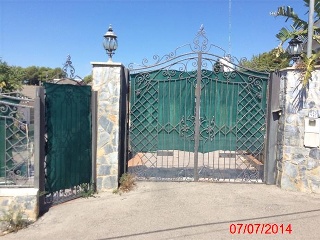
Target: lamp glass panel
(115,46)
(106,44)
(111,44)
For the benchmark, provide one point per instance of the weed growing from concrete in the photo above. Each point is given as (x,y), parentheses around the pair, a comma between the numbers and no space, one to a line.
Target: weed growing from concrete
(127,184)
(13,219)
(87,190)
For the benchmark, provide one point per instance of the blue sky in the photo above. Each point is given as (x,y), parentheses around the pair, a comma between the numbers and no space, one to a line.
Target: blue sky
(44,32)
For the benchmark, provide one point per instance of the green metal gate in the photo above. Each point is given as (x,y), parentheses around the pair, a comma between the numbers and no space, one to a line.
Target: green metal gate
(197,116)
(16,140)
(68,165)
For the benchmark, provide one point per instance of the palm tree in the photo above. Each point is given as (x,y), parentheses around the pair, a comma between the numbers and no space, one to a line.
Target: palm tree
(299,26)
(299,29)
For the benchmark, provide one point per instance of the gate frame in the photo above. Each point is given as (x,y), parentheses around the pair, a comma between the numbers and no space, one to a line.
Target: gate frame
(13,110)
(27,196)
(200,50)
(40,137)
(272,124)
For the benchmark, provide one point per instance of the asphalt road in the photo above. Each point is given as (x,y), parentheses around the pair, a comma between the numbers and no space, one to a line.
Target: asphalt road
(168,210)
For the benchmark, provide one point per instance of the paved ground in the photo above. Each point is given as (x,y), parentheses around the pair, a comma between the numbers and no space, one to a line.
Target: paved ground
(180,211)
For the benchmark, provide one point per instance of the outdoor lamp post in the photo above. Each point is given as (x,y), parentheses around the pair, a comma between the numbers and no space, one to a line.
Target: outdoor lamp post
(295,48)
(110,42)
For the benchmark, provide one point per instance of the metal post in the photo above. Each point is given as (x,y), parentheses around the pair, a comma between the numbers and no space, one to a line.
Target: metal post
(197,118)
(273,116)
(127,76)
(310,28)
(122,149)
(37,141)
(39,145)
(94,97)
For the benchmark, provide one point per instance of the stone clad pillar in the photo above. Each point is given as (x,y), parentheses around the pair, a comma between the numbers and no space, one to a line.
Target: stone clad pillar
(106,81)
(298,162)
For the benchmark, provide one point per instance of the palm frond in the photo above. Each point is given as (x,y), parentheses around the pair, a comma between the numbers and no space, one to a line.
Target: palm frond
(307,66)
(284,34)
(316,8)
(287,11)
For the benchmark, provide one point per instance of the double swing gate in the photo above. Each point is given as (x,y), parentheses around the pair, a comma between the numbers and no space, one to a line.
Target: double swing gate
(197,116)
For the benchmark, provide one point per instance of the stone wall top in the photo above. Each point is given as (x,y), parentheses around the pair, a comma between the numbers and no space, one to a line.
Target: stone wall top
(14,192)
(106,64)
(316,67)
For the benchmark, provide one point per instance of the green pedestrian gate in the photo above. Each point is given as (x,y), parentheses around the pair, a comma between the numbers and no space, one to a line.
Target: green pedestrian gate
(68,163)
(197,116)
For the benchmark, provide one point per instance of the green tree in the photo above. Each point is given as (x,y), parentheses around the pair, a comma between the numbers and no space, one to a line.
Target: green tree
(267,61)
(43,74)
(34,74)
(299,28)
(88,79)
(10,77)
(56,73)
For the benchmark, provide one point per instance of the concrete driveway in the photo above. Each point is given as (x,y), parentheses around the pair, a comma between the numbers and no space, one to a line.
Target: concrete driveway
(166,210)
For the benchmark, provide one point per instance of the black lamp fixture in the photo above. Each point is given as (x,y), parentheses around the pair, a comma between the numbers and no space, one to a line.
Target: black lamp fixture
(295,48)
(110,42)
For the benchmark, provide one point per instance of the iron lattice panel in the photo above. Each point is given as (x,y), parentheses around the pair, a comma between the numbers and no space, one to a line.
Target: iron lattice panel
(169,143)
(16,141)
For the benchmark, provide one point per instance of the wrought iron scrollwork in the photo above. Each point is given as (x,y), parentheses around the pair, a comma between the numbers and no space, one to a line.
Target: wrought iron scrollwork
(200,44)
(186,127)
(68,65)
(200,41)
(208,131)
(255,85)
(166,100)
(69,70)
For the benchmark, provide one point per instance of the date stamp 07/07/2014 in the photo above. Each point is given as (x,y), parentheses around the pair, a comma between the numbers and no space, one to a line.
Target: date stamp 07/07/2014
(260,228)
